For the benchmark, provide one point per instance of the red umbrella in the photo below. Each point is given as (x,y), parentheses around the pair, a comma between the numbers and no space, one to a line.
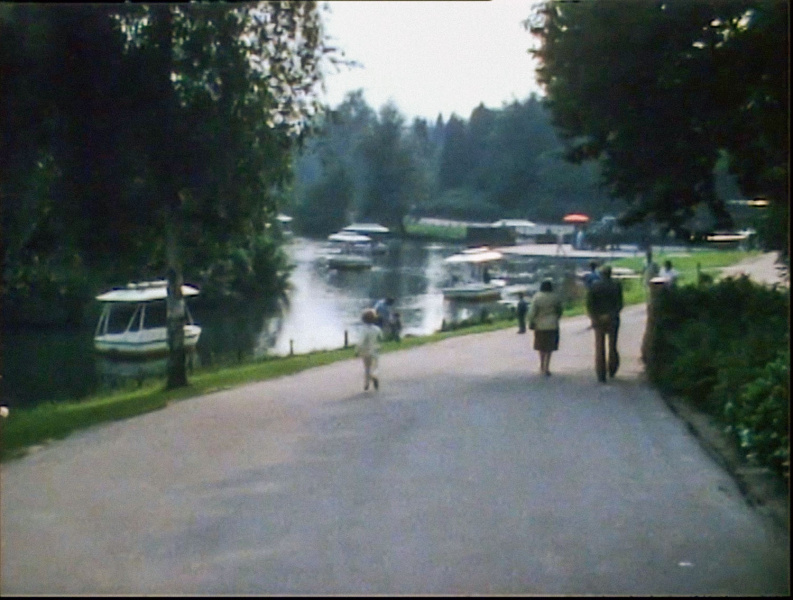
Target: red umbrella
(575,218)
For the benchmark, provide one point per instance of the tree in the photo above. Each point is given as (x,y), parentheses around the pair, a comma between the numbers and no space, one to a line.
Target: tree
(330,174)
(253,68)
(392,173)
(204,102)
(650,90)
(456,159)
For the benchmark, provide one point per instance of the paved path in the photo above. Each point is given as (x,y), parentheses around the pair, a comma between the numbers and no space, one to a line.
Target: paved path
(763,268)
(467,473)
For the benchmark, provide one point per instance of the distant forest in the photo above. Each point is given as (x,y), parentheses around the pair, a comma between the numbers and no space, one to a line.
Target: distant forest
(369,165)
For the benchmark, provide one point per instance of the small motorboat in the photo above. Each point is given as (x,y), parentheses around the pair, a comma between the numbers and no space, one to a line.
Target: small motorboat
(133,325)
(379,235)
(474,291)
(478,286)
(354,251)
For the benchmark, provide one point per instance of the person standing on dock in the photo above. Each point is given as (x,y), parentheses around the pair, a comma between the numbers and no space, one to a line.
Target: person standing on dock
(560,244)
(603,304)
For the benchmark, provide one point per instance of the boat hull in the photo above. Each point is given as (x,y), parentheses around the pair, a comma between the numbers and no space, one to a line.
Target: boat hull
(143,345)
(472,292)
(349,262)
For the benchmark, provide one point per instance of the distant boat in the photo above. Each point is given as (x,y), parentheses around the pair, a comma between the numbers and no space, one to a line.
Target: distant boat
(354,252)
(474,290)
(133,321)
(285,222)
(367,229)
(478,287)
(378,233)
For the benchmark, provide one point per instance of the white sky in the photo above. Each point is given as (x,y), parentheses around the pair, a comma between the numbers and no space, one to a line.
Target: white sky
(431,57)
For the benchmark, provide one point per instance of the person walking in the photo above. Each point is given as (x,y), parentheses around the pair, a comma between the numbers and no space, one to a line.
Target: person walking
(523,309)
(369,348)
(603,304)
(544,314)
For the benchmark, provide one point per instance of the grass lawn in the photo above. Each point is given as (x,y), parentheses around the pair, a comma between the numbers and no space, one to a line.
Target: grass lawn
(447,233)
(25,428)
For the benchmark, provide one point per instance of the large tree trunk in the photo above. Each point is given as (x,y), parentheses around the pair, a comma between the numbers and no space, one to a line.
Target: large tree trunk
(177,370)
(169,185)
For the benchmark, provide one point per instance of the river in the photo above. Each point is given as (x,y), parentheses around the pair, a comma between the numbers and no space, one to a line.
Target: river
(324,306)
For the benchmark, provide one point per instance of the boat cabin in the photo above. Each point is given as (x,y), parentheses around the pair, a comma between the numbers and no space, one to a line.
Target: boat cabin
(133,321)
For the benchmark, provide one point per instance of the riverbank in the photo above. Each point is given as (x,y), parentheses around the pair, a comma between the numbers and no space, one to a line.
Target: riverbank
(29,428)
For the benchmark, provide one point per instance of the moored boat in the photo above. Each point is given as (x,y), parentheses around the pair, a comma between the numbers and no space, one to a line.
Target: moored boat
(132,324)
(479,286)
(354,252)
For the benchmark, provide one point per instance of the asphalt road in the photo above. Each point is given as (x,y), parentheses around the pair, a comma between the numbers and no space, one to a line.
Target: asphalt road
(466,473)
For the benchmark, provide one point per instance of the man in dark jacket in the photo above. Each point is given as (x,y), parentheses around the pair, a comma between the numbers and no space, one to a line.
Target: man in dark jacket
(603,304)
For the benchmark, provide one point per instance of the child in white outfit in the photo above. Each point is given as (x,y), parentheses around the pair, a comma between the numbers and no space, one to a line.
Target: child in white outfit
(368,348)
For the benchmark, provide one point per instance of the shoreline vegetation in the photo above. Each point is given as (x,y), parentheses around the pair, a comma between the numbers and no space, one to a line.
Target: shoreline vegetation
(28,428)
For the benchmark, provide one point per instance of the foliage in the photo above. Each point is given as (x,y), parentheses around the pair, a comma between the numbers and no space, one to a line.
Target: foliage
(126,126)
(329,177)
(715,346)
(415,228)
(461,204)
(760,415)
(499,163)
(656,91)
(393,178)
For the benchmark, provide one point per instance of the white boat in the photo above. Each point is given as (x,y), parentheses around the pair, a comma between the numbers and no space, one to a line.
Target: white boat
(354,252)
(474,291)
(133,321)
(479,286)
(378,233)
(285,222)
(367,229)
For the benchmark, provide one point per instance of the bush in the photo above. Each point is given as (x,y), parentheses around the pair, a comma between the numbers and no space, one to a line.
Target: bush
(723,348)
(760,415)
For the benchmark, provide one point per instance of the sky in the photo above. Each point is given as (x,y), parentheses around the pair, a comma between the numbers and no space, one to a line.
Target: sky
(430,57)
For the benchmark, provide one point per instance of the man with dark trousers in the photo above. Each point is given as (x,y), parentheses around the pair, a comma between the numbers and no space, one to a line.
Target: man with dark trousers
(603,304)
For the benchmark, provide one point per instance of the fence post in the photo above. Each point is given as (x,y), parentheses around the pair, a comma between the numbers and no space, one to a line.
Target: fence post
(346,341)
(291,347)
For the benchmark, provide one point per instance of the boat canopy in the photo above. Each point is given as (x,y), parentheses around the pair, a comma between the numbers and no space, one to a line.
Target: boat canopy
(365,228)
(475,256)
(349,237)
(146,291)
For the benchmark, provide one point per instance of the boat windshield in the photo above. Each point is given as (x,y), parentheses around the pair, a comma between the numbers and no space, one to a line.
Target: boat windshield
(155,315)
(120,317)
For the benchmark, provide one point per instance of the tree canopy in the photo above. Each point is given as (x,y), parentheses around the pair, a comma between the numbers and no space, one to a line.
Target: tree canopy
(657,90)
(147,141)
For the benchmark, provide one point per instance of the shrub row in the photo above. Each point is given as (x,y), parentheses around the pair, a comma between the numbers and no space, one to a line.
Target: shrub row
(725,349)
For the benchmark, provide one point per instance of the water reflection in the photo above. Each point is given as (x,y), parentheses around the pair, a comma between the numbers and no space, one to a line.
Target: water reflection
(325,303)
